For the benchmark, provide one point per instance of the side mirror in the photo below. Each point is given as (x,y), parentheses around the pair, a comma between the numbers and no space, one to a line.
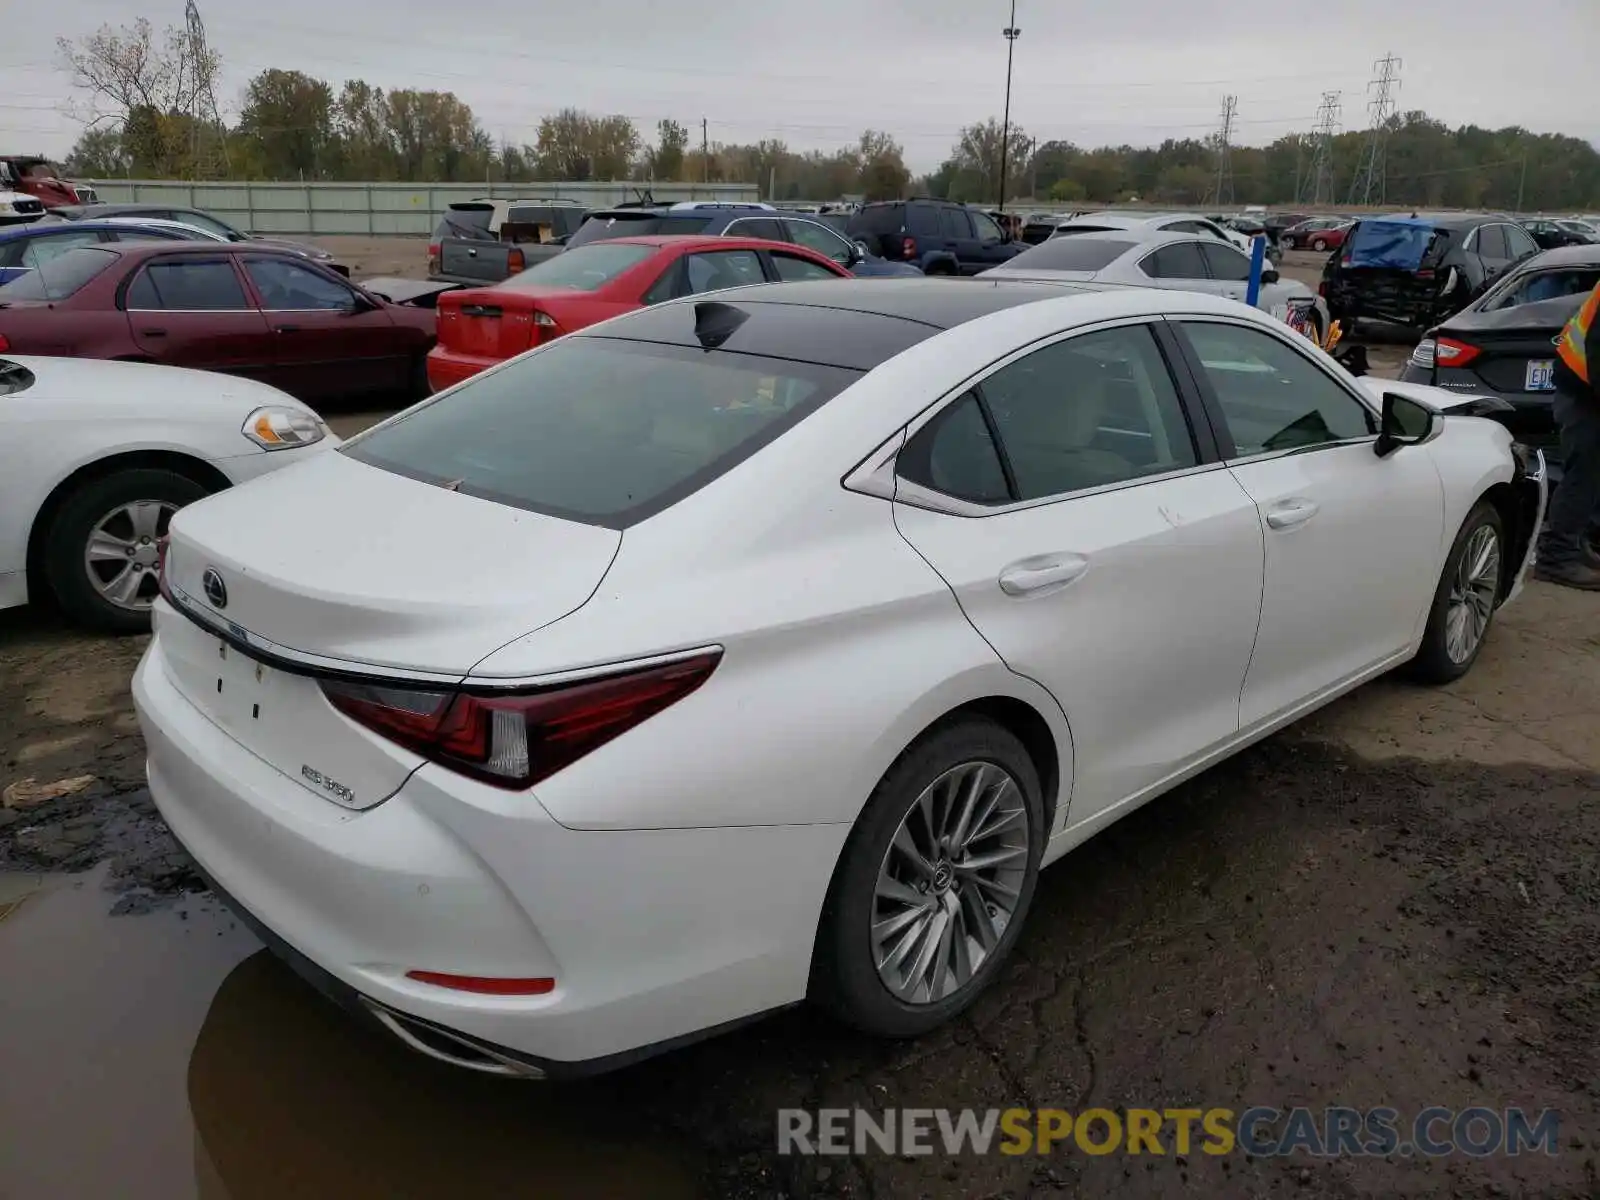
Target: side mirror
(1405,423)
(862,249)
(1268,275)
(856,255)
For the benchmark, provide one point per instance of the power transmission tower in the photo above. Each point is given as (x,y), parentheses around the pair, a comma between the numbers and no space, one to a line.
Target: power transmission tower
(208,144)
(1371,181)
(1224,189)
(1316,186)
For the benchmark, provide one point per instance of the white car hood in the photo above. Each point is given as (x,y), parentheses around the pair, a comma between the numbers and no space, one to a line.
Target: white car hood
(12,197)
(95,387)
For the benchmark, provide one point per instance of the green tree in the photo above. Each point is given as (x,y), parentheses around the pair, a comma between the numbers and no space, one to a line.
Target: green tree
(98,152)
(666,160)
(883,173)
(288,116)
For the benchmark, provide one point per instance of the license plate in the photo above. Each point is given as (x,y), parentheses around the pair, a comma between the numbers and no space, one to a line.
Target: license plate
(1541,375)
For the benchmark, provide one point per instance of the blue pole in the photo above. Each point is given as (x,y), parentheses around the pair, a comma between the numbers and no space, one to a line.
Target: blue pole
(1258,259)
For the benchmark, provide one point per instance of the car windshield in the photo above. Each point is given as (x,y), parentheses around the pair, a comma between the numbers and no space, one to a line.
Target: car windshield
(586,269)
(1071,254)
(14,377)
(601,430)
(640,224)
(59,277)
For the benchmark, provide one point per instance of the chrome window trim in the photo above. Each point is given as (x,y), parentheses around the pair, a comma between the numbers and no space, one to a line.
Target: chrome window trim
(199,311)
(875,475)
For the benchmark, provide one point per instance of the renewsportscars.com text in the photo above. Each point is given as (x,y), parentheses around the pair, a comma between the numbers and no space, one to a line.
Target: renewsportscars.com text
(1261,1131)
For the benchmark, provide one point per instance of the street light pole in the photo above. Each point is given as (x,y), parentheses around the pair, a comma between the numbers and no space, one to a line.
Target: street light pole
(1011,33)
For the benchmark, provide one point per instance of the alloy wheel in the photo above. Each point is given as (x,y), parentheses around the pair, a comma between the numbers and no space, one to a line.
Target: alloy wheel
(121,555)
(1472,594)
(950,882)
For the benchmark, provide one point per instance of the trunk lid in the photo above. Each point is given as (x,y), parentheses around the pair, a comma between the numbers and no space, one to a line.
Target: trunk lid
(370,572)
(486,323)
(339,559)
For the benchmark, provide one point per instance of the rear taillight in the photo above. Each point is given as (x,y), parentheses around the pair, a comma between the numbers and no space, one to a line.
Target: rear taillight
(1448,352)
(433,258)
(1423,355)
(515,261)
(545,327)
(908,247)
(514,740)
(1322,287)
(4,343)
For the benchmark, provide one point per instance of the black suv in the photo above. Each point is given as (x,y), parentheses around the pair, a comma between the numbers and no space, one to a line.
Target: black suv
(940,236)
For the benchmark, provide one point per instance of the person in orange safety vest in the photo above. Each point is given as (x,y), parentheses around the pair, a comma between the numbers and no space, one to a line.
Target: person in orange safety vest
(1565,555)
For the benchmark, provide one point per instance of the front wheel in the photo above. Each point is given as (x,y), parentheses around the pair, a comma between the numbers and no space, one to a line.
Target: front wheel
(934,883)
(100,551)
(1464,602)
(1319,245)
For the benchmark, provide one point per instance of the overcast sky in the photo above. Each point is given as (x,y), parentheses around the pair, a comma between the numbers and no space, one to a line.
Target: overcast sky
(815,73)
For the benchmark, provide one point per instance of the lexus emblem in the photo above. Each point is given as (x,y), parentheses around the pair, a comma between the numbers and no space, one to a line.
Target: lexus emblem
(216,591)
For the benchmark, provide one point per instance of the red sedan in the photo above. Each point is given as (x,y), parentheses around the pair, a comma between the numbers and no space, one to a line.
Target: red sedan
(1319,234)
(265,314)
(479,327)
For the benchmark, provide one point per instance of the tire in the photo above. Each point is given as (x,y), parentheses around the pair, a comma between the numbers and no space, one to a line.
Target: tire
(1440,658)
(1318,245)
(88,508)
(845,975)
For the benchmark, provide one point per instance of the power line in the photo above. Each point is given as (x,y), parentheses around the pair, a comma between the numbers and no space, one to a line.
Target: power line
(1371,182)
(1317,187)
(1230,108)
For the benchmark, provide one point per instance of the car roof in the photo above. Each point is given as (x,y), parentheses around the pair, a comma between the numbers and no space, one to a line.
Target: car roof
(690,242)
(203,249)
(19,233)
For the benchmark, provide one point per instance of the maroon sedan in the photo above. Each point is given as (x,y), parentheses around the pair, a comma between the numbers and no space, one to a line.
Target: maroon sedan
(262,313)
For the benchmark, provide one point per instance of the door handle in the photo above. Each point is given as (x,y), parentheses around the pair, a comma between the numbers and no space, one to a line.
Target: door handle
(287,328)
(152,333)
(1289,513)
(1030,576)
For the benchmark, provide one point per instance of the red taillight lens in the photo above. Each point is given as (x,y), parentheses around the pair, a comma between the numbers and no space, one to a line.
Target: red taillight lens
(908,246)
(4,343)
(514,740)
(1448,352)
(485,985)
(1322,287)
(515,261)
(434,252)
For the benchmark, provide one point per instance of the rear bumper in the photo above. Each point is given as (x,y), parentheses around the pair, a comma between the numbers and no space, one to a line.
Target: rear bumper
(1532,419)
(654,937)
(446,368)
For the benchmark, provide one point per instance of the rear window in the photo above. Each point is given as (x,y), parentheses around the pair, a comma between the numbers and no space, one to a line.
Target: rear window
(59,277)
(466,221)
(1071,254)
(585,269)
(601,430)
(562,218)
(644,224)
(1066,230)
(876,218)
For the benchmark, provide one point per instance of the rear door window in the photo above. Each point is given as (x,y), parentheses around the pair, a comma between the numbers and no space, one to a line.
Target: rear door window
(717,270)
(877,218)
(953,223)
(1225,262)
(601,430)
(190,285)
(1519,242)
(1491,242)
(1181,260)
(792,268)
(756,227)
(954,454)
(922,221)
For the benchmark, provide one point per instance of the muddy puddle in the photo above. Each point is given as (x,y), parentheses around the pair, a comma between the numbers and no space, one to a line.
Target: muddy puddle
(168,1056)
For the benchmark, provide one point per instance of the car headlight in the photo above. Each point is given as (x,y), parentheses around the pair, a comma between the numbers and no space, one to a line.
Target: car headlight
(277,427)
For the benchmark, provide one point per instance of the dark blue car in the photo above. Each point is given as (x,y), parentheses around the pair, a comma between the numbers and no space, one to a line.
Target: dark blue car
(708,219)
(25,247)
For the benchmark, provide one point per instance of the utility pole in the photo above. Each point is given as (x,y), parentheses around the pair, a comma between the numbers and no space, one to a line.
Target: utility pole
(705,151)
(1230,108)
(1522,183)
(1011,34)
(1317,184)
(1371,182)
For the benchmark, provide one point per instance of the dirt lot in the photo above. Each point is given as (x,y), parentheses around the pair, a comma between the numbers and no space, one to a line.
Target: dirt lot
(1396,902)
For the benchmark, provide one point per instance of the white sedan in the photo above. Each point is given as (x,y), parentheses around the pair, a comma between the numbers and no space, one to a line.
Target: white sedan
(95,457)
(737,652)
(1178,261)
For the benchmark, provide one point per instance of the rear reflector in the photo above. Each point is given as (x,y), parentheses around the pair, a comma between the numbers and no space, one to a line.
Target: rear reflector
(485,985)
(515,739)
(433,259)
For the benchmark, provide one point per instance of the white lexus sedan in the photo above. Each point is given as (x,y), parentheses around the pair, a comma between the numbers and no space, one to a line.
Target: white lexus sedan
(743,651)
(96,456)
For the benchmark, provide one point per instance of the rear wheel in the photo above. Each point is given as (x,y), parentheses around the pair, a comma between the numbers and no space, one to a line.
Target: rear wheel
(1319,244)
(100,548)
(934,883)
(1464,602)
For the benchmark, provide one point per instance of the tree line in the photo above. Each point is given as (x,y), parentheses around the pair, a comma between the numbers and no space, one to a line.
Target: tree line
(293,126)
